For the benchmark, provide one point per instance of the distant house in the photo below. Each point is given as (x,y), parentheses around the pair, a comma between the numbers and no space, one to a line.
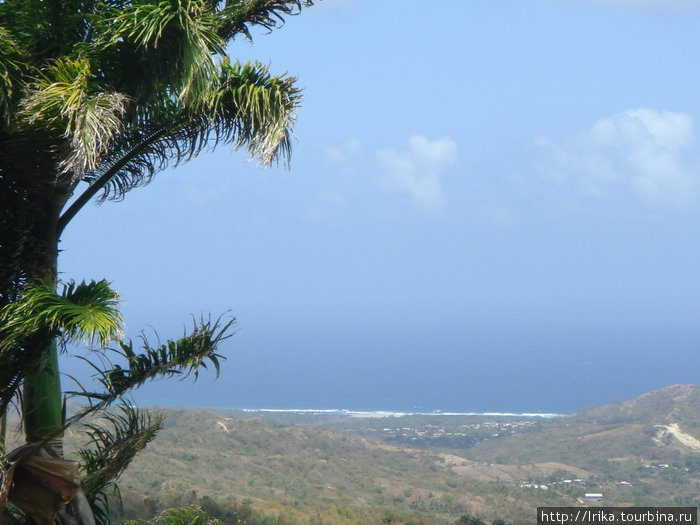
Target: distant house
(593,495)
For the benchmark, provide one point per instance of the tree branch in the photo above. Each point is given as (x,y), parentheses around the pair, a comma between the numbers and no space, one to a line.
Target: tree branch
(103,180)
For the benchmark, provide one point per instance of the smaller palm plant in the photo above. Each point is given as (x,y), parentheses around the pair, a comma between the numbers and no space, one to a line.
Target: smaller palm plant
(38,484)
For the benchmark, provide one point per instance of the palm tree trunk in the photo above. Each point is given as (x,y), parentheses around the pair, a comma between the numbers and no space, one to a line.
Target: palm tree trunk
(41,409)
(45,485)
(41,400)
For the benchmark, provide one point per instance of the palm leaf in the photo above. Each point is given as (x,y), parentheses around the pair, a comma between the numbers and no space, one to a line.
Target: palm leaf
(96,123)
(113,442)
(255,110)
(179,33)
(65,98)
(58,92)
(15,365)
(238,16)
(47,29)
(246,107)
(12,61)
(182,357)
(85,312)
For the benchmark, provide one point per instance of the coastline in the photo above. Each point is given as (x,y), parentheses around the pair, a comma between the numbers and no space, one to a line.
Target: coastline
(387,413)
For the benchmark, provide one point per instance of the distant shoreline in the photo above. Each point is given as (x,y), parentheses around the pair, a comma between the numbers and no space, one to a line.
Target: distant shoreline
(388,413)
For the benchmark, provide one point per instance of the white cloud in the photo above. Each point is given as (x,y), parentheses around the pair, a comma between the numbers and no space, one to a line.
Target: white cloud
(416,171)
(345,152)
(642,150)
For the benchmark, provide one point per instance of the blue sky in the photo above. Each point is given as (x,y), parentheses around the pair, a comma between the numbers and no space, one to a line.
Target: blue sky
(501,190)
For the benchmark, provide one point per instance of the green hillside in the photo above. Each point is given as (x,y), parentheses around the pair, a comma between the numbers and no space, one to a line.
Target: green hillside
(304,469)
(645,451)
(301,474)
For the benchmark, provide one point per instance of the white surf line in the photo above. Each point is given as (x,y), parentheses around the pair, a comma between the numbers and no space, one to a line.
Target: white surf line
(385,413)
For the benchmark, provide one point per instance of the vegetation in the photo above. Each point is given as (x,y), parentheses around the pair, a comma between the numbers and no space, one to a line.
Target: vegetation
(96,98)
(309,469)
(302,469)
(263,472)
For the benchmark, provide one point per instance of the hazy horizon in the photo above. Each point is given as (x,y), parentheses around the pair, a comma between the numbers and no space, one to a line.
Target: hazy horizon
(493,208)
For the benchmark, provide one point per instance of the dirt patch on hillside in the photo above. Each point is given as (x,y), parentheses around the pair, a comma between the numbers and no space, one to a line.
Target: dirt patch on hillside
(612,433)
(513,473)
(482,471)
(675,430)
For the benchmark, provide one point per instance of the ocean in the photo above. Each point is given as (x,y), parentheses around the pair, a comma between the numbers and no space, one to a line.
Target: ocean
(518,369)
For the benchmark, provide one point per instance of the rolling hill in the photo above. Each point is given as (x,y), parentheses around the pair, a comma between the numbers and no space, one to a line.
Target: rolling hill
(302,469)
(332,469)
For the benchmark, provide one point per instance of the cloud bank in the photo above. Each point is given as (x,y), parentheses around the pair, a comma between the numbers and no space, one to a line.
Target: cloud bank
(640,150)
(416,171)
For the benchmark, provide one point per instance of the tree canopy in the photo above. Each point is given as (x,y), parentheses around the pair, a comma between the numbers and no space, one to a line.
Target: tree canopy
(96,98)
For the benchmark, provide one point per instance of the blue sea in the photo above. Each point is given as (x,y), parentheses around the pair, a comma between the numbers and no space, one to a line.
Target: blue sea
(518,369)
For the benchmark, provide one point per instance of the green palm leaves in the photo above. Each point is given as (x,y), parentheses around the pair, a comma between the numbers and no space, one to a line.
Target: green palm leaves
(180,31)
(88,312)
(84,312)
(61,98)
(96,98)
(182,356)
(114,439)
(245,106)
(176,357)
(255,109)
(143,85)
(11,61)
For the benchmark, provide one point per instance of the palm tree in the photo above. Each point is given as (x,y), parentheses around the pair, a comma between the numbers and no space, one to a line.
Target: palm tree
(96,98)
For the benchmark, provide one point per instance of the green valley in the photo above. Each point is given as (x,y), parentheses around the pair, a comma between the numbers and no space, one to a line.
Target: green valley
(319,468)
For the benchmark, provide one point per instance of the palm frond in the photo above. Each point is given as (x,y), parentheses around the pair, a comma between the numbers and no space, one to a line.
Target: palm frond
(182,357)
(12,62)
(238,16)
(96,124)
(113,442)
(47,29)
(58,93)
(87,312)
(246,107)
(64,98)
(15,365)
(255,110)
(181,33)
